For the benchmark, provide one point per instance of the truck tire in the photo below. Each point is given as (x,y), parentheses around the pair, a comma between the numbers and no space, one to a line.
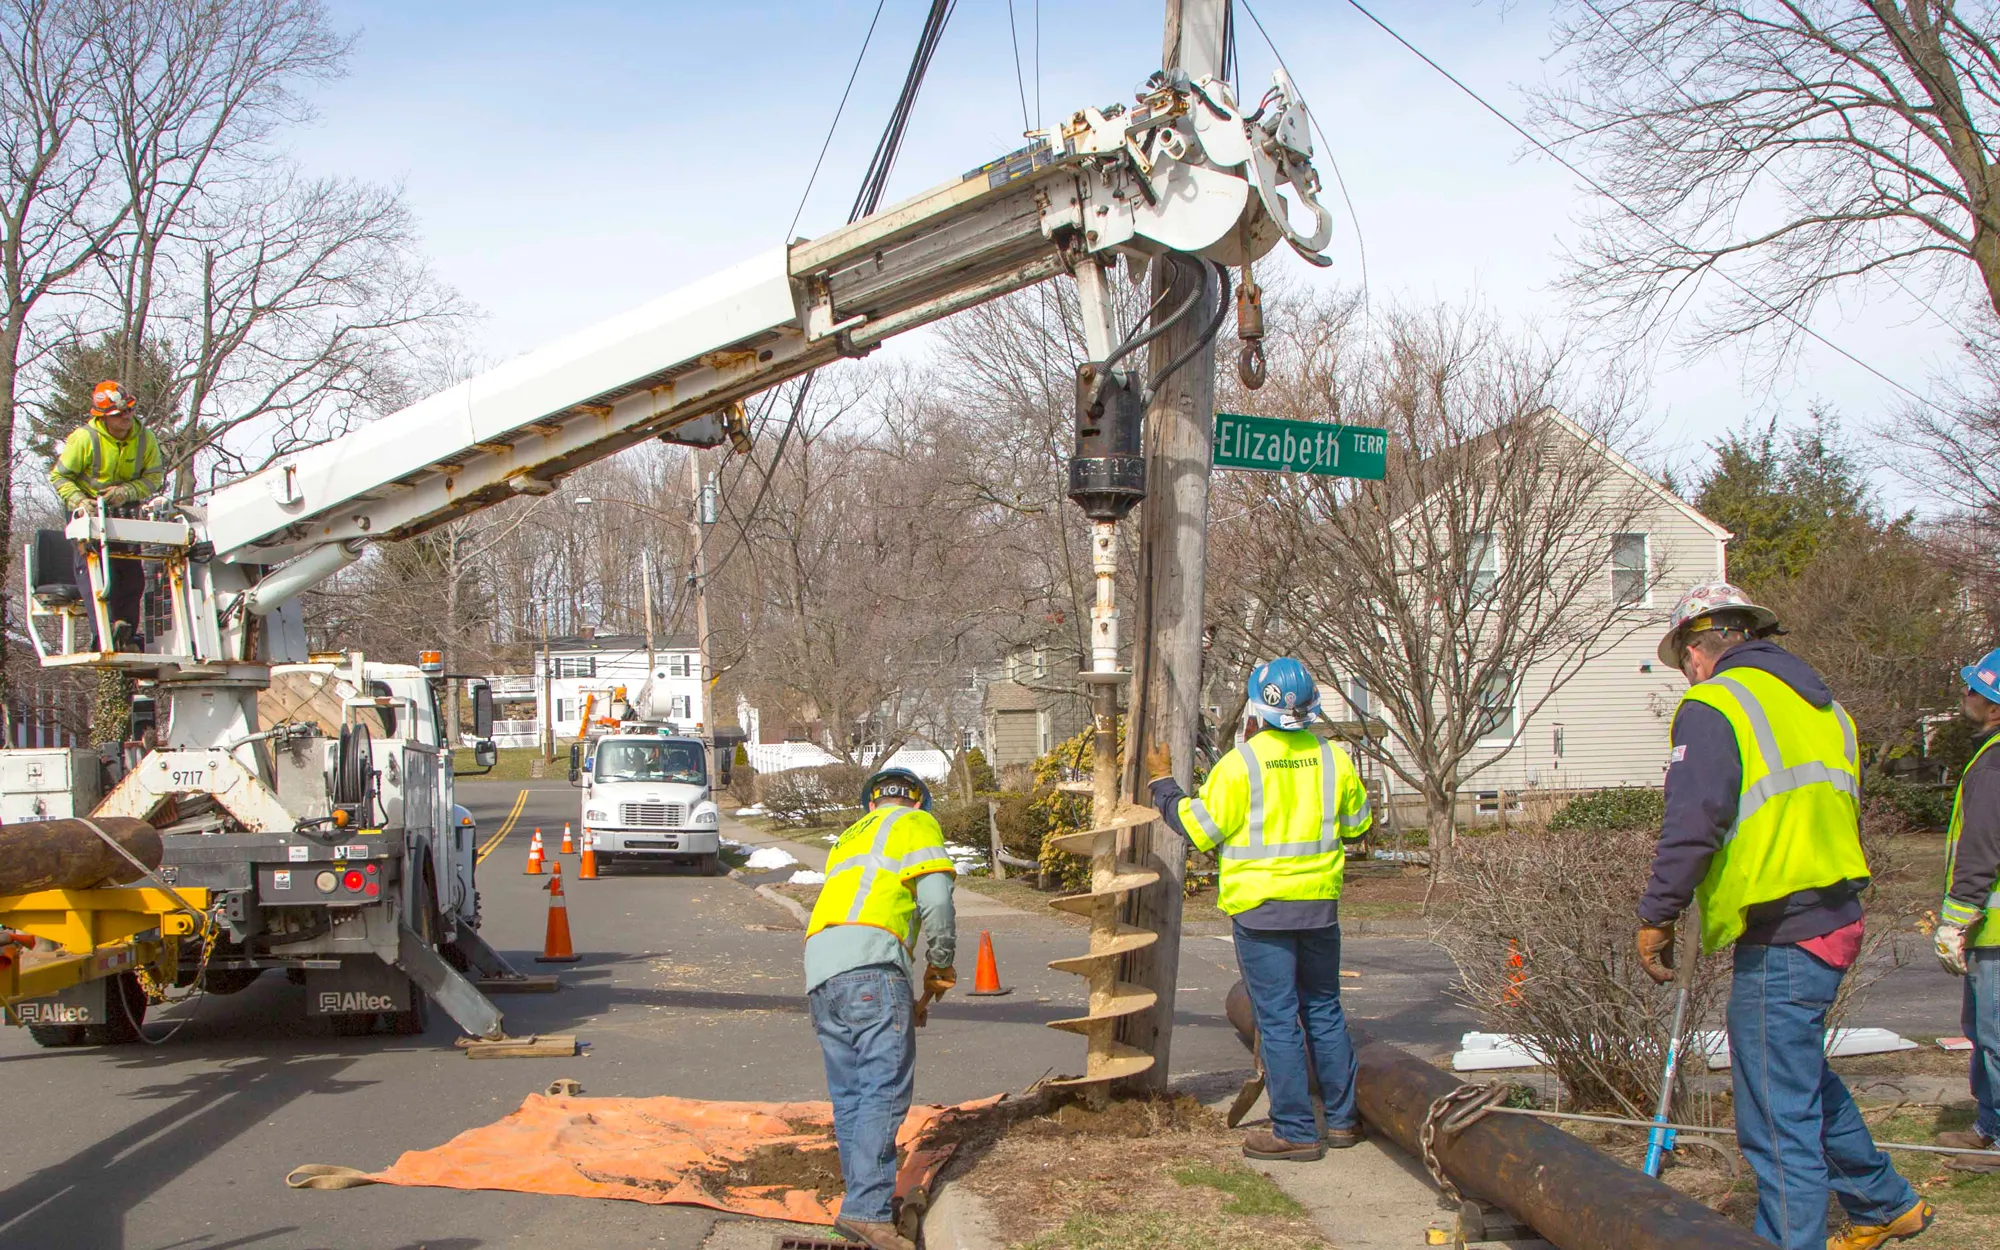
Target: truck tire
(125,1005)
(710,864)
(56,1035)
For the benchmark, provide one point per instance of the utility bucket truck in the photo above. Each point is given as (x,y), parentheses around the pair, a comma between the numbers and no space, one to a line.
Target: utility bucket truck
(646,797)
(322,842)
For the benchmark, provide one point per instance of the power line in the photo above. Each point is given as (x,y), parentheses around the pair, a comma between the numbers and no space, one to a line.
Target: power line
(1020,85)
(835,124)
(1634,213)
(1339,180)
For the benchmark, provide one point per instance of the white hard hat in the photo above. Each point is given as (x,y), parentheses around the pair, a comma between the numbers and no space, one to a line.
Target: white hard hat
(1696,609)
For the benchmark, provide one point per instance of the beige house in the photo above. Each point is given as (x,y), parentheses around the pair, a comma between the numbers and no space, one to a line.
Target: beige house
(1023,713)
(1608,723)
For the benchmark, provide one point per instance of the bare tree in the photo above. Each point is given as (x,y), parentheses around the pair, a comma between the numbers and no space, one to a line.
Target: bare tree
(1794,149)
(1475,576)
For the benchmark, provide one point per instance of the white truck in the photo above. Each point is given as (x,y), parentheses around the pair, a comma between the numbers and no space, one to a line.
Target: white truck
(646,797)
(293,827)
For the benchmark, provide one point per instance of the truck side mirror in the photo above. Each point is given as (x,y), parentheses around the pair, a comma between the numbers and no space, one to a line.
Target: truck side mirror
(723,760)
(485,754)
(575,762)
(482,711)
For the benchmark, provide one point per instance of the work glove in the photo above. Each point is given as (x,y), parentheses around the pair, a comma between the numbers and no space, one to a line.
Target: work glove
(936,981)
(1159,762)
(1656,951)
(122,493)
(1949,939)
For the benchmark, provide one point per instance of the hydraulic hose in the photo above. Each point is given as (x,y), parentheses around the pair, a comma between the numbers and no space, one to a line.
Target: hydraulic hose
(1207,336)
(1146,336)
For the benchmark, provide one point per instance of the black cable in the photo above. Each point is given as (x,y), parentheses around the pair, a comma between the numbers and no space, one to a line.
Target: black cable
(1020,83)
(1207,336)
(835,124)
(1187,306)
(1634,213)
(876,180)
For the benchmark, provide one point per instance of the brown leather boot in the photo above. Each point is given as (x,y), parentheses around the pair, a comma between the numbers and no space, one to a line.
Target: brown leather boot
(1965,1139)
(875,1236)
(1264,1144)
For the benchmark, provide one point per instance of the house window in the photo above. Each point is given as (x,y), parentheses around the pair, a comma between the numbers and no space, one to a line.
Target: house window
(1357,694)
(1496,708)
(1482,566)
(1629,569)
(968,739)
(972,680)
(565,710)
(1041,661)
(576,666)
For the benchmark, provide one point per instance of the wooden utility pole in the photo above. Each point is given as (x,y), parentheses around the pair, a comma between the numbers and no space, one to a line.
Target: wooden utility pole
(697,519)
(1165,701)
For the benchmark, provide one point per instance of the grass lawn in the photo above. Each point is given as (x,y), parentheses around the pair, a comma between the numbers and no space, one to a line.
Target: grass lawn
(1968,1205)
(514,764)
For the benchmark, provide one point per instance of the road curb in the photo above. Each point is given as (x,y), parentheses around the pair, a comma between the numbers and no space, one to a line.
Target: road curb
(959,1220)
(792,905)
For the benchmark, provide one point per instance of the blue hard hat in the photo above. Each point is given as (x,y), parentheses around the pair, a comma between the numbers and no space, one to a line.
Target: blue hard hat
(896,783)
(1983,678)
(1282,694)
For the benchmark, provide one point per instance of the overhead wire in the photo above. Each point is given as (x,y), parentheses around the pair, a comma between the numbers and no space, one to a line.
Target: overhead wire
(1020,83)
(874,184)
(1635,214)
(1333,163)
(835,124)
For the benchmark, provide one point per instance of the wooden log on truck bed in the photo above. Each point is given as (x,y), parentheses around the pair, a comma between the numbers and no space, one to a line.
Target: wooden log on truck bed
(66,855)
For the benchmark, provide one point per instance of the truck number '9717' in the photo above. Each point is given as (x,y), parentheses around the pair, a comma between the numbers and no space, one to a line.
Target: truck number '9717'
(189,777)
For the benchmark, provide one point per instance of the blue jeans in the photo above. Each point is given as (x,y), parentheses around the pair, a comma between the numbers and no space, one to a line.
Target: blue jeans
(870,1046)
(1293,975)
(1795,1121)
(1981,1022)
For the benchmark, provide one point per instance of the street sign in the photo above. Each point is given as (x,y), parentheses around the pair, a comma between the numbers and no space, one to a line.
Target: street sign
(1278,446)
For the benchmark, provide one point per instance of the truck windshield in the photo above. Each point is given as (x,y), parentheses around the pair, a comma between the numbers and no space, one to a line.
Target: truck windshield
(651,761)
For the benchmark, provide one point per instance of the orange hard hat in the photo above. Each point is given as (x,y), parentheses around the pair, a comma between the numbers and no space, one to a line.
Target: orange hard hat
(109,397)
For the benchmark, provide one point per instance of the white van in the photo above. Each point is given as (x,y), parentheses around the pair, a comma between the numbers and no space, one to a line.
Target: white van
(646,797)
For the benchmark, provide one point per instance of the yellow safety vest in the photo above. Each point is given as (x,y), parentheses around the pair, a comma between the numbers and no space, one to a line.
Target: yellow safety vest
(1277,811)
(92,461)
(1983,926)
(869,871)
(1798,821)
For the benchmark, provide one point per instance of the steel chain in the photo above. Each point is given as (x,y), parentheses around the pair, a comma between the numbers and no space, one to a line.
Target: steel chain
(1450,1114)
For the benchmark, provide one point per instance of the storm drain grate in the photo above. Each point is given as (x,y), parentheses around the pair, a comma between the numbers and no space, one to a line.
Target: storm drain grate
(817,1243)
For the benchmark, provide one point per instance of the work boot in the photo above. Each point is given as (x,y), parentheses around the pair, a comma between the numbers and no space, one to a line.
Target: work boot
(875,1236)
(1264,1144)
(1982,1164)
(1868,1236)
(1964,1140)
(1342,1138)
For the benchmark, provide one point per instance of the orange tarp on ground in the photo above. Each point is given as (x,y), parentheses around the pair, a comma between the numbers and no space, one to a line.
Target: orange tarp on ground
(659,1150)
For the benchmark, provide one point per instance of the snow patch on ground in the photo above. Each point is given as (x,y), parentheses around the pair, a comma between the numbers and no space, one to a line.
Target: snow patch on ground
(765,858)
(964,857)
(806,876)
(755,809)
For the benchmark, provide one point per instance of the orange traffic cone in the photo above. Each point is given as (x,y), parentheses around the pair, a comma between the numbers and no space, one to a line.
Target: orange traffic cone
(1515,973)
(986,981)
(568,843)
(535,854)
(587,871)
(555,946)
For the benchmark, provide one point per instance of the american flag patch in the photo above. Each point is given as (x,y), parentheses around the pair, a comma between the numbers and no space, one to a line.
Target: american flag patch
(1676,755)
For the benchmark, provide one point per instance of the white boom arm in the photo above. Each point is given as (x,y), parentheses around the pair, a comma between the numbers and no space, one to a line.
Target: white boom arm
(1183,171)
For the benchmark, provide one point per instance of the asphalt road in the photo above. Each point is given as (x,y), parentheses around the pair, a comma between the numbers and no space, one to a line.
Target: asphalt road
(687,986)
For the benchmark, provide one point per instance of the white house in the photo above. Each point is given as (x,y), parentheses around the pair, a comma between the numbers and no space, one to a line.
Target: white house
(569,671)
(1608,723)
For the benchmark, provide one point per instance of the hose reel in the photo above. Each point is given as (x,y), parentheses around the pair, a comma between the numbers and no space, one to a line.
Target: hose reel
(351,785)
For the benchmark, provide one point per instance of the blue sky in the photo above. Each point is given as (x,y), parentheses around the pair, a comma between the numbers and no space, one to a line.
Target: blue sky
(567,162)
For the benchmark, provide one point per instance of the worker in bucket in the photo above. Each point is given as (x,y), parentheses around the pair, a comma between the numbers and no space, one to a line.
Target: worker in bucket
(1968,932)
(1763,830)
(887,876)
(114,460)
(1280,812)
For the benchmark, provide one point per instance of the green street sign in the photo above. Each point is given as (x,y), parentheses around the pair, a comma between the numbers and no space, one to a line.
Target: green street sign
(1278,446)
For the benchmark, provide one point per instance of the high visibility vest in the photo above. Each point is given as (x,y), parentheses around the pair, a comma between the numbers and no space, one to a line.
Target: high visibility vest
(1982,925)
(1277,811)
(92,461)
(869,871)
(1798,819)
